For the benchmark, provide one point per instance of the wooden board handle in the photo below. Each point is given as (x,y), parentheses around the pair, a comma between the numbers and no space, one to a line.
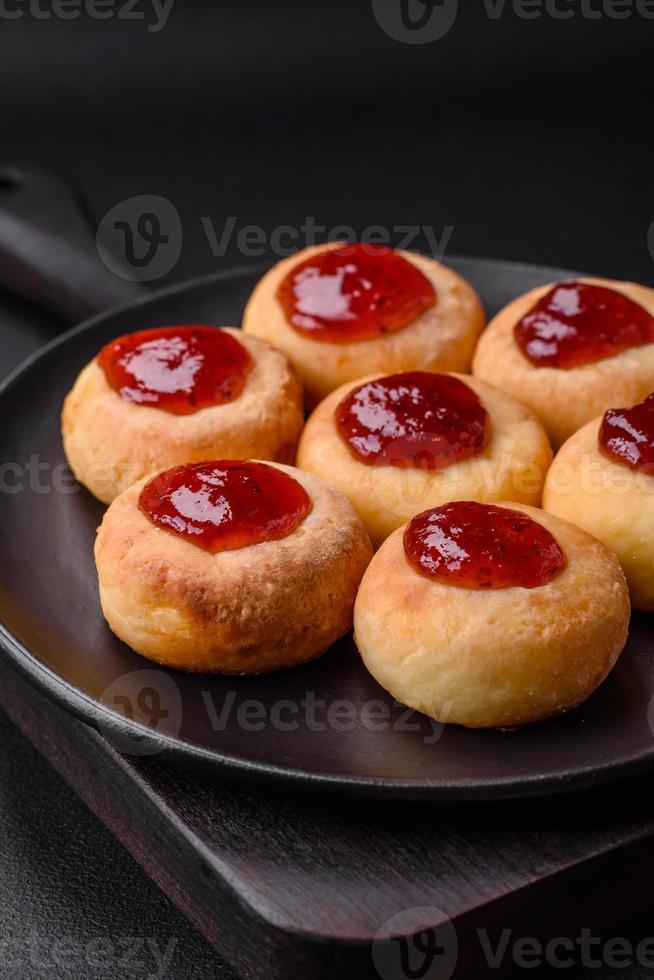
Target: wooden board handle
(48,253)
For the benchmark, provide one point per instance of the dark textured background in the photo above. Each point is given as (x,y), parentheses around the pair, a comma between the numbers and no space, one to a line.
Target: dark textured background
(532,139)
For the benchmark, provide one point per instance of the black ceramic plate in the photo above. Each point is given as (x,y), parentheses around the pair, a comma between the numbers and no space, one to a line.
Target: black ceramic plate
(327,723)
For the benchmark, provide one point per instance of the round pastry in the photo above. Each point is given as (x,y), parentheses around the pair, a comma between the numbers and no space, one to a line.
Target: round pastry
(178,394)
(603,480)
(399,443)
(341,311)
(491,616)
(234,566)
(569,351)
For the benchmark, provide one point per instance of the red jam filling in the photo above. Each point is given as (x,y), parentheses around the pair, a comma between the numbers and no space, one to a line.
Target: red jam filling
(177,369)
(354,292)
(479,546)
(225,504)
(415,419)
(579,323)
(626,435)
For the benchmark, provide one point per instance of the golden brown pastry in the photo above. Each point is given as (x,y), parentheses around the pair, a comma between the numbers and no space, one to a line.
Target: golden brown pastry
(491,615)
(175,395)
(240,567)
(342,311)
(570,350)
(397,444)
(602,479)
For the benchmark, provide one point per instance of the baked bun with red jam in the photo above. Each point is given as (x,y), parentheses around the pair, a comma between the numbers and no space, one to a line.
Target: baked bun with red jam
(179,394)
(491,616)
(341,311)
(569,351)
(235,566)
(602,479)
(396,444)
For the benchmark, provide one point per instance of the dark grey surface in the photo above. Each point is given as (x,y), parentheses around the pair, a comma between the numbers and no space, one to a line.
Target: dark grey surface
(74,903)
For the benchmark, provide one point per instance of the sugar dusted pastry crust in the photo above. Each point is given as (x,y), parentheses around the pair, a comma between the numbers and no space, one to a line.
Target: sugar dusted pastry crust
(564,400)
(493,658)
(248,611)
(612,502)
(442,338)
(110,443)
(511,466)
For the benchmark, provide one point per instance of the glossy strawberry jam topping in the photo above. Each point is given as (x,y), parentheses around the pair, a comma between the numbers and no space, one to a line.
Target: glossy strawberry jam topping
(479,546)
(225,504)
(578,323)
(626,435)
(354,292)
(178,369)
(415,419)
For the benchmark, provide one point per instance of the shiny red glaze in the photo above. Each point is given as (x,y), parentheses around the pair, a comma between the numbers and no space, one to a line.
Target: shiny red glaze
(354,292)
(578,323)
(414,419)
(479,546)
(178,369)
(223,505)
(626,435)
